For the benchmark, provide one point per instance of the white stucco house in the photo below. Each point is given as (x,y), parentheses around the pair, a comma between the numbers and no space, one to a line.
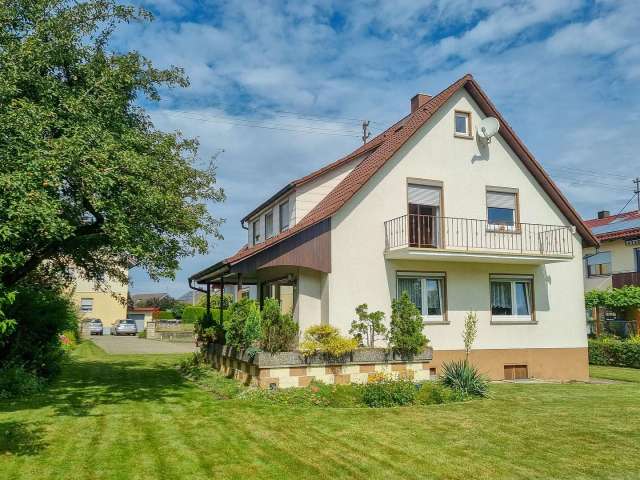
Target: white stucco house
(430,208)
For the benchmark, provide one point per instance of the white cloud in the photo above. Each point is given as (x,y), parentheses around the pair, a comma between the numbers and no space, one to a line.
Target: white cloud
(563,73)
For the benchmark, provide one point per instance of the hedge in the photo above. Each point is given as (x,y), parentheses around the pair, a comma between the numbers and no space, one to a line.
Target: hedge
(193,314)
(164,315)
(615,352)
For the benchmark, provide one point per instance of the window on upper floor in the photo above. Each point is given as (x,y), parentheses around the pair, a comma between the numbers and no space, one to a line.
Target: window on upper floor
(463,124)
(502,211)
(86,304)
(284,216)
(512,297)
(268,225)
(256,232)
(599,264)
(426,291)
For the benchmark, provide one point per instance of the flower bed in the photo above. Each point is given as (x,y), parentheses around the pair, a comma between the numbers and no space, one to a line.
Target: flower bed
(293,369)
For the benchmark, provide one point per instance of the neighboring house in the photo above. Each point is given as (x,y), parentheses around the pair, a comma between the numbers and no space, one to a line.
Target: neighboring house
(617,261)
(106,301)
(141,299)
(429,208)
(142,315)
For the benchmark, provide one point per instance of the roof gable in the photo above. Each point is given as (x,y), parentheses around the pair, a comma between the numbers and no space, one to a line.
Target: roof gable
(389,142)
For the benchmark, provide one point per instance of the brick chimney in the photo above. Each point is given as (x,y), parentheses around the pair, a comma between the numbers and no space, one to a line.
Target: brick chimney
(603,213)
(419,100)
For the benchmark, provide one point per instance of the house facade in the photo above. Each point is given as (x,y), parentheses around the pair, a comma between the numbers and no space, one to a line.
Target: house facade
(106,302)
(458,222)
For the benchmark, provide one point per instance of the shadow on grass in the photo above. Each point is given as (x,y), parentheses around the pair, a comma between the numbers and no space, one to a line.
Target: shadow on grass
(87,384)
(20,439)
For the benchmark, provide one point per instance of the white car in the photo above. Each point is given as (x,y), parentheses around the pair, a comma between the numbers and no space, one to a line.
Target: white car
(125,327)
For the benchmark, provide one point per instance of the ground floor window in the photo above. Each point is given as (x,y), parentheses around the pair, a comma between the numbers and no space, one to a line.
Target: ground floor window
(426,291)
(512,297)
(86,304)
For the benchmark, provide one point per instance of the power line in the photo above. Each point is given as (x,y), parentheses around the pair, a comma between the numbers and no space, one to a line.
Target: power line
(247,123)
(589,172)
(625,205)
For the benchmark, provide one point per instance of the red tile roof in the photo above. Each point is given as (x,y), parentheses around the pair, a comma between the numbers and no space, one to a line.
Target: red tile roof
(385,145)
(615,234)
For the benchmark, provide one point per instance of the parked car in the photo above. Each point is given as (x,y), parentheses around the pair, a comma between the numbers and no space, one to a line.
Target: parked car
(125,327)
(95,326)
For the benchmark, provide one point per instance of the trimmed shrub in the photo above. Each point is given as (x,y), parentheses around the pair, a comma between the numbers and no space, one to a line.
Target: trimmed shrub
(464,379)
(325,339)
(611,351)
(165,315)
(431,393)
(279,331)
(242,327)
(389,393)
(405,331)
(192,314)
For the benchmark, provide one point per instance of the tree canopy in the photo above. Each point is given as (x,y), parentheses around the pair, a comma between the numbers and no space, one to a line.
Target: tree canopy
(86,178)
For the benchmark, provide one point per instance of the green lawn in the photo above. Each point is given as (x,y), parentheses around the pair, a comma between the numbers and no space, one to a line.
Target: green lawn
(135,418)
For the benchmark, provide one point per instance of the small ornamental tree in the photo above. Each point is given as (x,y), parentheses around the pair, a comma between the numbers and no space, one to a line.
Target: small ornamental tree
(368,326)
(405,332)
(470,332)
(279,331)
(242,327)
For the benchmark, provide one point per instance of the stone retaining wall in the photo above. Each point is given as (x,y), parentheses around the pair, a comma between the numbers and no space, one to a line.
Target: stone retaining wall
(292,369)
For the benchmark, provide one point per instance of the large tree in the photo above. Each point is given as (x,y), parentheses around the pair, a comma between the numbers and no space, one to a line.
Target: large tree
(85,177)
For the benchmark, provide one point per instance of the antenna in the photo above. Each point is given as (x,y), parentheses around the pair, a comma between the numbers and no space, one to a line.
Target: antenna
(637,190)
(487,128)
(365,131)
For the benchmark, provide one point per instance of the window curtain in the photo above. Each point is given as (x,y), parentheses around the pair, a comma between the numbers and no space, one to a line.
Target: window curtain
(501,295)
(412,287)
(434,297)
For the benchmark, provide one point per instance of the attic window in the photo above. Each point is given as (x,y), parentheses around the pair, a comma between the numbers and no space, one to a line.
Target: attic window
(463,124)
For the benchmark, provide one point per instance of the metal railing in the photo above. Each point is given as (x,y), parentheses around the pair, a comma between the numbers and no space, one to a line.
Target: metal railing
(426,231)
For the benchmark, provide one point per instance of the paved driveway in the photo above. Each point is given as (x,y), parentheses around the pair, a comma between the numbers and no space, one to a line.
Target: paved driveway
(132,345)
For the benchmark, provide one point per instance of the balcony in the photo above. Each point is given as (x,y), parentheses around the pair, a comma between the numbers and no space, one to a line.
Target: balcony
(437,238)
(619,280)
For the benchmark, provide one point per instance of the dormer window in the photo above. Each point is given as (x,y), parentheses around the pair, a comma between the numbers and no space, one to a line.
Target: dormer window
(463,124)
(256,232)
(284,216)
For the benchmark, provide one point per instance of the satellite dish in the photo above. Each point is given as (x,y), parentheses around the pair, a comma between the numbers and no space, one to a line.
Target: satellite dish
(487,128)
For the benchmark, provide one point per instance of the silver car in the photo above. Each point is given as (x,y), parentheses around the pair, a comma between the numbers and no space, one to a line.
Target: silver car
(125,327)
(95,326)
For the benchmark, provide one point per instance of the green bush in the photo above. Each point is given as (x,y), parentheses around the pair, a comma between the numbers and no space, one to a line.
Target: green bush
(389,393)
(405,330)
(16,381)
(193,314)
(325,339)
(464,379)
(610,351)
(435,393)
(41,315)
(165,315)
(242,327)
(279,331)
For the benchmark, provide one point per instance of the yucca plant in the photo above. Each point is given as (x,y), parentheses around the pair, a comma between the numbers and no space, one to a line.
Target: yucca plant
(465,379)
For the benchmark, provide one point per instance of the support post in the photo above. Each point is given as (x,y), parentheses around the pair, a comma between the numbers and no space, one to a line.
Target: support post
(208,299)
(239,287)
(221,297)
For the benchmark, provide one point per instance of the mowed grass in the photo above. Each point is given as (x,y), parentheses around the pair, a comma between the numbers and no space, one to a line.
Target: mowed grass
(120,417)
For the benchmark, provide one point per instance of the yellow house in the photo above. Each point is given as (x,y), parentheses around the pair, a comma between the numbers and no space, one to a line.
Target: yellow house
(106,302)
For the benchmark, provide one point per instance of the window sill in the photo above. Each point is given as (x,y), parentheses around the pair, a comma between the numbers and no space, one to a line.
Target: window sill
(464,136)
(436,322)
(512,321)
(500,229)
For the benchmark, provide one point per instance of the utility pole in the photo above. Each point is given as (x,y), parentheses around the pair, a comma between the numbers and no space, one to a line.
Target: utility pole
(637,190)
(365,131)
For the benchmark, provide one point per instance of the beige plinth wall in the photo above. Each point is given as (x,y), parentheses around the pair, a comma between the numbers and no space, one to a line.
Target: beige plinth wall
(542,363)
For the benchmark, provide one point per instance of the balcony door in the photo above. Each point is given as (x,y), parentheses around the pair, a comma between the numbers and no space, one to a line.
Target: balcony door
(424,213)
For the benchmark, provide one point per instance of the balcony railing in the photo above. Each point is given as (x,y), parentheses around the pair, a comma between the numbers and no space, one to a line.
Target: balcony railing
(619,280)
(426,231)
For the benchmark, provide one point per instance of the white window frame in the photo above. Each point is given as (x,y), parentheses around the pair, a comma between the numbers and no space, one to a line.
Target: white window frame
(268,235)
(256,231)
(514,317)
(83,307)
(424,276)
(282,226)
(467,117)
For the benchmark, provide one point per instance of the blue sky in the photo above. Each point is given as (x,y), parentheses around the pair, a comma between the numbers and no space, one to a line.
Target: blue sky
(564,73)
